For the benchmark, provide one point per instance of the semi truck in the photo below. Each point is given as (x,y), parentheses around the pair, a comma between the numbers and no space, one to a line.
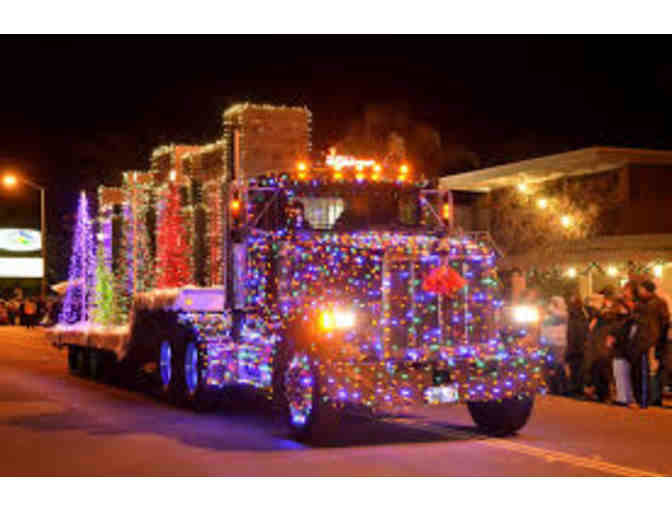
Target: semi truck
(342,287)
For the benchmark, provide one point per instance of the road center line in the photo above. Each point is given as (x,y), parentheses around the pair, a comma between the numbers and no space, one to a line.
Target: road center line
(534,451)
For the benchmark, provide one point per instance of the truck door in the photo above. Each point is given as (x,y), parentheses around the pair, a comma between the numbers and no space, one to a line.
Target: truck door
(254,273)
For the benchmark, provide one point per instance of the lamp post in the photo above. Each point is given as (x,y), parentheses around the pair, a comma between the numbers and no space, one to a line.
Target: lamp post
(10,181)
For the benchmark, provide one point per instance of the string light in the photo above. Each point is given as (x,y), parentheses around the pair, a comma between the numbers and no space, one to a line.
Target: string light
(321,268)
(374,276)
(396,318)
(215,235)
(341,161)
(137,263)
(447,211)
(106,307)
(566,221)
(80,293)
(173,247)
(612,270)
(542,203)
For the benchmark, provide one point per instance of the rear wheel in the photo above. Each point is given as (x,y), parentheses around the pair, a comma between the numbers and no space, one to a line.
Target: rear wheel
(192,389)
(503,417)
(72,358)
(97,363)
(166,369)
(82,361)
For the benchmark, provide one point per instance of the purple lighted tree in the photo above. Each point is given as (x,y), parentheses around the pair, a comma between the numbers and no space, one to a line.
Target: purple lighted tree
(80,293)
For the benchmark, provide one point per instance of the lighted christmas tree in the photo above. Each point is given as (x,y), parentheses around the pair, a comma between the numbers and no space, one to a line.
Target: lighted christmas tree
(173,249)
(138,264)
(106,311)
(80,291)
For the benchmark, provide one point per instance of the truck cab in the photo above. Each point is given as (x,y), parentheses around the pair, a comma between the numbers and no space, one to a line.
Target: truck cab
(331,285)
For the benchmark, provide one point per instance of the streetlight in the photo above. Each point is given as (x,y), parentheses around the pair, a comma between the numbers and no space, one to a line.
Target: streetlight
(10,180)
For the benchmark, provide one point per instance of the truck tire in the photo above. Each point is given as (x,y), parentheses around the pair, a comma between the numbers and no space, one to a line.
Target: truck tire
(502,417)
(72,359)
(167,370)
(96,364)
(191,389)
(309,417)
(82,361)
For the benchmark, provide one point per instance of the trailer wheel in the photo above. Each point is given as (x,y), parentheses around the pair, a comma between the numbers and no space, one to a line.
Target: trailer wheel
(192,390)
(96,363)
(83,361)
(72,359)
(166,363)
(310,418)
(503,417)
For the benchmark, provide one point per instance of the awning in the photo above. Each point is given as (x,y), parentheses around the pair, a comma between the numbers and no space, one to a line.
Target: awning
(590,160)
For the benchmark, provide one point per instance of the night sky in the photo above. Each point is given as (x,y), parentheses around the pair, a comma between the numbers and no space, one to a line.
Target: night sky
(76,110)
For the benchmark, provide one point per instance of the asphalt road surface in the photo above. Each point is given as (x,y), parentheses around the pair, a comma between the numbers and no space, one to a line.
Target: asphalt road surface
(54,423)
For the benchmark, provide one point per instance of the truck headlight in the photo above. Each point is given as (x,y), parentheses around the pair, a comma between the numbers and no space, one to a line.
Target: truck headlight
(337,319)
(525,314)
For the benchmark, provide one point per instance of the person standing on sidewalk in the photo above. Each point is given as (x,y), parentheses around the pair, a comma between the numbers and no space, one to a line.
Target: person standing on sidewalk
(554,328)
(597,373)
(620,338)
(644,337)
(657,311)
(30,313)
(577,330)
(11,312)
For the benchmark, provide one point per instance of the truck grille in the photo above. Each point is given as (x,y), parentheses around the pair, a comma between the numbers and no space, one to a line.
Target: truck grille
(413,318)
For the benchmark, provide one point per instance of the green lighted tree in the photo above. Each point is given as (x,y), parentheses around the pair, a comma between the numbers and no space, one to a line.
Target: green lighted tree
(106,312)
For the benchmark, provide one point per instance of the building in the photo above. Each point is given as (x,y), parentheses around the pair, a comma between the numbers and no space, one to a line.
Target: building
(634,233)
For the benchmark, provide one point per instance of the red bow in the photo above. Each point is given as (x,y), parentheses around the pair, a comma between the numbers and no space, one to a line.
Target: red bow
(443,280)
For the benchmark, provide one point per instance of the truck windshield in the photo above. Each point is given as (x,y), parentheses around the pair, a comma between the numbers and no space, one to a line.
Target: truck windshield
(361,210)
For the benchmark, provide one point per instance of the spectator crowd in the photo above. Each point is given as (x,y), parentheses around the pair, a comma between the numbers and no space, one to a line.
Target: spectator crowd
(613,346)
(29,311)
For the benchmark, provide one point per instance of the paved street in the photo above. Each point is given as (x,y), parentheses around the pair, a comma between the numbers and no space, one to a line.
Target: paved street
(54,423)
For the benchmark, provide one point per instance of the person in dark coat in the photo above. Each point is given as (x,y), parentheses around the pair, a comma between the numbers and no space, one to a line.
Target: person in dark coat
(11,313)
(577,330)
(597,374)
(655,318)
(41,310)
(620,338)
(22,313)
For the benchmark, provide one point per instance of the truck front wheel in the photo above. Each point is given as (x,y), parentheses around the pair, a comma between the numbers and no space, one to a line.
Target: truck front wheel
(309,416)
(501,417)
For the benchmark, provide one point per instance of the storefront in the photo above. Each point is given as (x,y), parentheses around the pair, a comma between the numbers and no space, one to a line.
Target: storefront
(630,235)
(604,261)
